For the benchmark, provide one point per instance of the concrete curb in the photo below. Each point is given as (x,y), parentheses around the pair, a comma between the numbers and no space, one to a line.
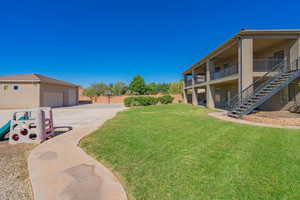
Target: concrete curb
(223,116)
(60,170)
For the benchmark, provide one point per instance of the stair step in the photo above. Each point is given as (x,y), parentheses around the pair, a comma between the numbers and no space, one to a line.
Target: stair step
(234,115)
(278,81)
(282,79)
(267,89)
(236,112)
(244,106)
(274,84)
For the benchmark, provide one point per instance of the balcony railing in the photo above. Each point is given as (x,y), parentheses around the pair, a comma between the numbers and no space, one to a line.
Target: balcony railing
(227,71)
(199,79)
(259,65)
(188,82)
(265,64)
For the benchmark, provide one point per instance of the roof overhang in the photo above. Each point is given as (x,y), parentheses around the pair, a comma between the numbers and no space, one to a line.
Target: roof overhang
(38,81)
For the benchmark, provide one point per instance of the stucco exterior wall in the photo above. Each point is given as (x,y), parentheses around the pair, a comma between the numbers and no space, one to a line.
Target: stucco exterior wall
(58,89)
(26,96)
(295,51)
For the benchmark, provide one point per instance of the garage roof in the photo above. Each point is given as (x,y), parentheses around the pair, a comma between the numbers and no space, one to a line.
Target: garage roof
(34,78)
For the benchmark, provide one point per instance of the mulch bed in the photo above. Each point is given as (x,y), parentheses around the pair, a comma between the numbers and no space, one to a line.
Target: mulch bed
(284,118)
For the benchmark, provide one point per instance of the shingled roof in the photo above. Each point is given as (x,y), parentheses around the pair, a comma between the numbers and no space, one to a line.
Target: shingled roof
(34,78)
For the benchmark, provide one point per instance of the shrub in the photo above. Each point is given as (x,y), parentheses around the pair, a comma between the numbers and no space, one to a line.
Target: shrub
(167,99)
(140,101)
(128,101)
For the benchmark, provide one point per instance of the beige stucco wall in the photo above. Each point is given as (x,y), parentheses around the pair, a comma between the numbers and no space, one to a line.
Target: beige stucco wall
(64,90)
(294,50)
(27,96)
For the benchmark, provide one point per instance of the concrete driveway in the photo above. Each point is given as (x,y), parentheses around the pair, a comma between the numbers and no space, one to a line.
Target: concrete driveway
(60,170)
(74,116)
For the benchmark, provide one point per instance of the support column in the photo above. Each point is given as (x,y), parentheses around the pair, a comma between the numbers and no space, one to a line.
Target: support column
(210,103)
(195,99)
(294,52)
(184,91)
(194,94)
(245,61)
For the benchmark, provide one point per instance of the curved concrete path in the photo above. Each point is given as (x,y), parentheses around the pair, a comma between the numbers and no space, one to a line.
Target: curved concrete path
(60,170)
(223,116)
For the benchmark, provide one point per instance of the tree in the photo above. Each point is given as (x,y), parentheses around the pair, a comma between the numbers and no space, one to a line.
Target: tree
(176,87)
(118,88)
(137,85)
(163,88)
(152,88)
(99,89)
(88,92)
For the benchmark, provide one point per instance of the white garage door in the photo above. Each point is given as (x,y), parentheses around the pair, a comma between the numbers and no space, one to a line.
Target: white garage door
(72,97)
(53,99)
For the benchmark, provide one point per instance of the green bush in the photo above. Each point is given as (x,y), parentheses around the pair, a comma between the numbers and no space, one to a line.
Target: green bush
(140,101)
(167,99)
(128,101)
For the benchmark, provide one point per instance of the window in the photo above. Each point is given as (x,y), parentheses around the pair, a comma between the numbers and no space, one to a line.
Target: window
(5,87)
(16,87)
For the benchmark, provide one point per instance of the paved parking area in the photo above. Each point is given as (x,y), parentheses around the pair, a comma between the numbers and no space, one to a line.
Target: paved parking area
(74,116)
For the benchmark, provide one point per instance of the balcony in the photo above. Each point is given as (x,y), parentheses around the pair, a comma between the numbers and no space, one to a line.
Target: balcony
(226,71)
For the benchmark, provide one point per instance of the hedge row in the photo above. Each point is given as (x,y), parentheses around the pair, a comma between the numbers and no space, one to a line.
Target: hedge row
(147,100)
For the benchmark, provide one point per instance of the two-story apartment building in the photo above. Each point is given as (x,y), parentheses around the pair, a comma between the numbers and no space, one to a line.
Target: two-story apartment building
(254,69)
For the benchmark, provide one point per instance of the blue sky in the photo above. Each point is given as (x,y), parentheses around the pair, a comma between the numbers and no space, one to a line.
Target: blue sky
(91,41)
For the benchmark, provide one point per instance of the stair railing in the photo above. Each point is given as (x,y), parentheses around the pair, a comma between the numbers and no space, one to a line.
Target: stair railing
(248,92)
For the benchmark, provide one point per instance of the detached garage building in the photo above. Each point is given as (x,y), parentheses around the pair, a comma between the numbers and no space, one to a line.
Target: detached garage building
(35,90)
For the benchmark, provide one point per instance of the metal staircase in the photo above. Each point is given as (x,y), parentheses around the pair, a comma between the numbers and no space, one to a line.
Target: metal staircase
(262,89)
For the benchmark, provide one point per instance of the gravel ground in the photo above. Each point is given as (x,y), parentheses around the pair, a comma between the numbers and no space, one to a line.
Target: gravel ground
(14,178)
(283,118)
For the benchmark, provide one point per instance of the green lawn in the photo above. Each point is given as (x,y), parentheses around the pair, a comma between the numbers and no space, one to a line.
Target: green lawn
(178,152)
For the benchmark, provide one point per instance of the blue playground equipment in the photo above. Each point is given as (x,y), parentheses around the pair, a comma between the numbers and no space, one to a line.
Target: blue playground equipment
(4,130)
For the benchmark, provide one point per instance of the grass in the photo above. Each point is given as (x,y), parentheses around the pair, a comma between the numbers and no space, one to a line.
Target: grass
(178,152)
